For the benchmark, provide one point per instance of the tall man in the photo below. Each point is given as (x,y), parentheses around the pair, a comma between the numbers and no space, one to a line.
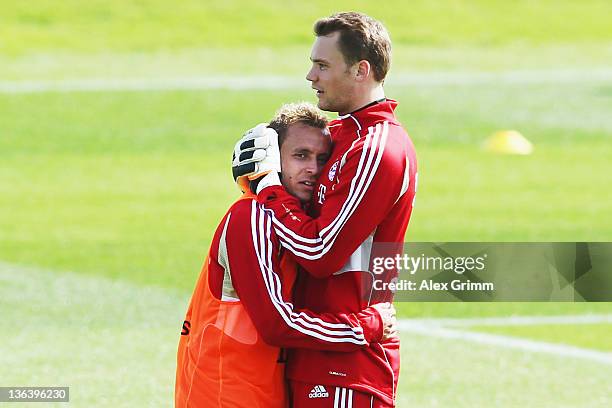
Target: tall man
(241,313)
(364,197)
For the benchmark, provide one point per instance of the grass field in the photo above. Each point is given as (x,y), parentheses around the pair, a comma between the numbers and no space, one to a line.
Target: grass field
(155,24)
(114,344)
(108,198)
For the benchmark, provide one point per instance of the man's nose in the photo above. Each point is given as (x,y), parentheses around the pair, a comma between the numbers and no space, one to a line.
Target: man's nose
(310,76)
(312,167)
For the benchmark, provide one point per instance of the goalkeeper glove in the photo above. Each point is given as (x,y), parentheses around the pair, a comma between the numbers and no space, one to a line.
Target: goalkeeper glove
(256,159)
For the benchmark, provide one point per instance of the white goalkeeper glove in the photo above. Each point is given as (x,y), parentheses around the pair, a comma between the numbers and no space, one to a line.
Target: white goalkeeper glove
(256,159)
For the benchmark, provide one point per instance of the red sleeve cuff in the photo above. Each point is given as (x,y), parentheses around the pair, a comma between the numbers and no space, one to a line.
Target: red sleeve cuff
(271,193)
(372,324)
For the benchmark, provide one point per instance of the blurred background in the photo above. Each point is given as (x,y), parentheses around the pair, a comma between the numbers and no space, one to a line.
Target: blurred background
(117,121)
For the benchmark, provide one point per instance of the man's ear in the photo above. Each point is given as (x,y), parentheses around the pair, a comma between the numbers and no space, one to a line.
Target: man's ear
(363,70)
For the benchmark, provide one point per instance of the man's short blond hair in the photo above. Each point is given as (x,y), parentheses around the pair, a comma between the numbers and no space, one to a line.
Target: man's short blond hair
(300,112)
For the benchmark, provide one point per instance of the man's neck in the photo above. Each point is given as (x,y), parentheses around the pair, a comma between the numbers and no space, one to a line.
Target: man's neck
(372,95)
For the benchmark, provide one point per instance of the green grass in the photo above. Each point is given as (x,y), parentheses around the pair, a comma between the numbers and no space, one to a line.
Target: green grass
(593,336)
(499,309)
(132,184)
(114,344)
(152,25)
(445,372)
(116,194)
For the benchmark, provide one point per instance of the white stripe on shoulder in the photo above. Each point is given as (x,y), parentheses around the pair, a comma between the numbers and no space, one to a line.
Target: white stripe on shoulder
(405,180)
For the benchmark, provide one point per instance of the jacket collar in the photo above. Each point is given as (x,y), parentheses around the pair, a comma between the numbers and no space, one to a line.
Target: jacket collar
(370,114)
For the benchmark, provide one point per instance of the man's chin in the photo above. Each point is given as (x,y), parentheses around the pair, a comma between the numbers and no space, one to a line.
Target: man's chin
(329,107)
(304,198)
(324,106)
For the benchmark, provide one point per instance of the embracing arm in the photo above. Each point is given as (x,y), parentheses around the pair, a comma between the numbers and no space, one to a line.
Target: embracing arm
(252,255)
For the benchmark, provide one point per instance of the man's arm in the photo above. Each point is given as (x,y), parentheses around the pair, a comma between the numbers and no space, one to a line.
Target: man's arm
(371,178)
(252,261)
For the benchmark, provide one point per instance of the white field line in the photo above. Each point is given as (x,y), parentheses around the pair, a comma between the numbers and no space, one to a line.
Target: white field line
(514,320)
(434,329)
(152,84)
(279,82)
(67,289)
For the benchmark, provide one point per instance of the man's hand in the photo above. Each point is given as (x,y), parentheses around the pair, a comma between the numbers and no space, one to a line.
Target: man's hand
(387,313)
(256,159)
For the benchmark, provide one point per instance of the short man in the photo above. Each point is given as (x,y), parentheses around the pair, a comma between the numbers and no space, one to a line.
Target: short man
(363,199)
(240,312)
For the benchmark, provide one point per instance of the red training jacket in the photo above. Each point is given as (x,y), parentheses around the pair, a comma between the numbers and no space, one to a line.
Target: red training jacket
(364,196)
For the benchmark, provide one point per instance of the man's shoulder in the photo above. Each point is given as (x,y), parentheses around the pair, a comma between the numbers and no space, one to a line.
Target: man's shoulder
(385,145)
(396,131)
(334,127)
(244,201)
(334,123)
(382,134)
(247,207)
(243,207)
